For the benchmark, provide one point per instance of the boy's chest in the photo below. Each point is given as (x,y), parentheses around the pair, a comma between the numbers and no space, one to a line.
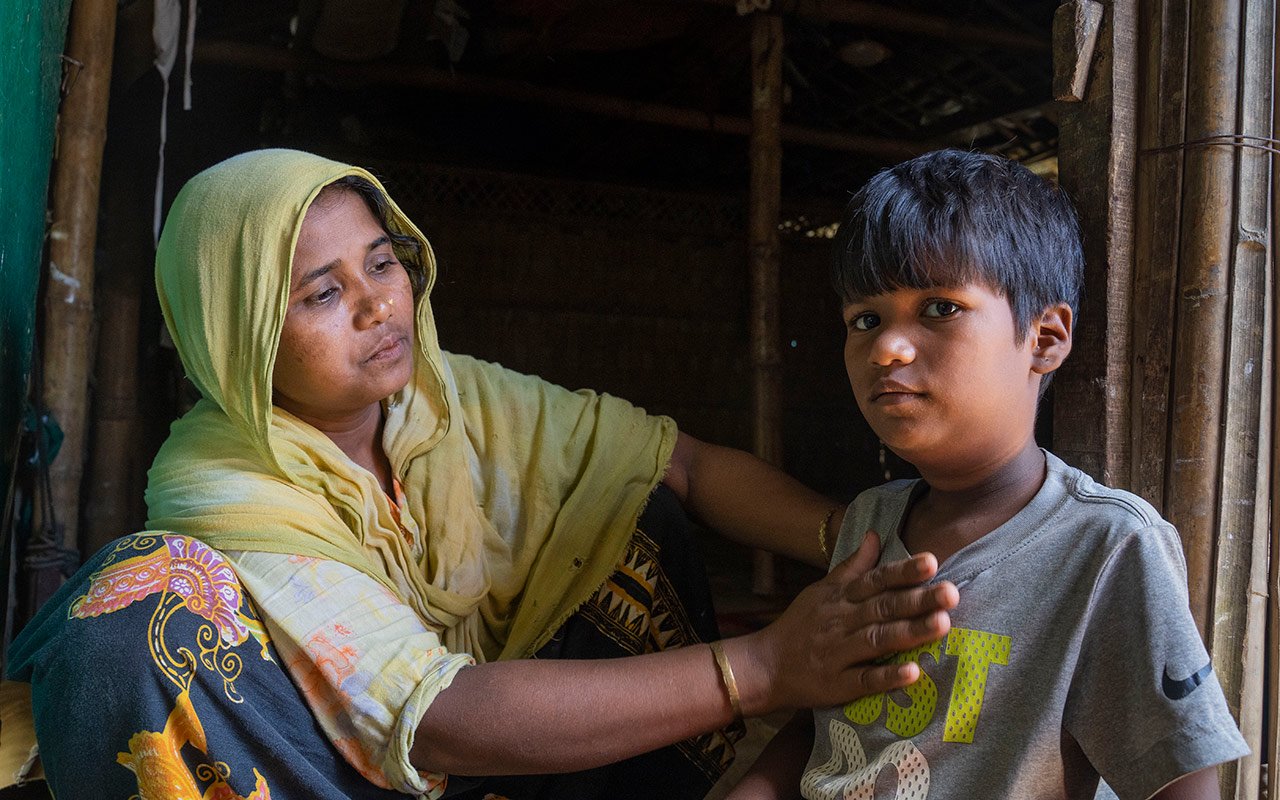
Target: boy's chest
(992,690)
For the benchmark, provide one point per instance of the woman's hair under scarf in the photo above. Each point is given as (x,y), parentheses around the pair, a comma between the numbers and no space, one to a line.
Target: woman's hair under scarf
(520,496)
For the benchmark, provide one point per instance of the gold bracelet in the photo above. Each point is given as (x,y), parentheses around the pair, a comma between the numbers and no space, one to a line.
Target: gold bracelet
(822,531)
(726,677)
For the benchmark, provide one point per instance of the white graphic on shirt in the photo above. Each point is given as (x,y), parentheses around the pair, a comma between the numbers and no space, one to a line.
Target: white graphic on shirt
(847,776)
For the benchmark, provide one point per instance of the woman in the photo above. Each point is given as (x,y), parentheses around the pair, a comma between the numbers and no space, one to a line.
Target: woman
(413,526)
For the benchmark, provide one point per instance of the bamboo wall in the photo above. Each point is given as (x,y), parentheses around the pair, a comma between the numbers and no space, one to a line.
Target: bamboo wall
(1178,391)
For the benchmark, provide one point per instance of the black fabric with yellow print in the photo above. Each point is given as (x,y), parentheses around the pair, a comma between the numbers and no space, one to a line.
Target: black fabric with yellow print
(153,678)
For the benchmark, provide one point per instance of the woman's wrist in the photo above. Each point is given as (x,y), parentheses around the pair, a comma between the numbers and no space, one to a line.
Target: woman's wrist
(752,674)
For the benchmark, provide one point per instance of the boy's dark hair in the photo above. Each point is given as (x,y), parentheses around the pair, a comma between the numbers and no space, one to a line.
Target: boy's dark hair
(951,217)
(407,248)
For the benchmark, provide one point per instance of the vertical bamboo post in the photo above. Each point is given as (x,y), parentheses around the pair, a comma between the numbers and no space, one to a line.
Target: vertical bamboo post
(1240,568)
(1272,745)
(765,205)
(1097,156)
(1155,264)
(1203,296)
(68,324)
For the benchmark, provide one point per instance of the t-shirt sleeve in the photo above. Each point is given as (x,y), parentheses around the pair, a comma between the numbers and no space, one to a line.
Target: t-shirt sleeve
(1145,705)
(363,660)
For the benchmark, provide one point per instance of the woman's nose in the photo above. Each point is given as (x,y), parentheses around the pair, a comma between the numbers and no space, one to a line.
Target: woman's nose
(892,345)
(377,307)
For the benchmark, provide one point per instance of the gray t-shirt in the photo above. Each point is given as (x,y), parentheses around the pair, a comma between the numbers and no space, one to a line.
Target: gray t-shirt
(1072,654)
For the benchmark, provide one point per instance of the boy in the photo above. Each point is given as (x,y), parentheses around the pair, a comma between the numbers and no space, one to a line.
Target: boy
(1072,653)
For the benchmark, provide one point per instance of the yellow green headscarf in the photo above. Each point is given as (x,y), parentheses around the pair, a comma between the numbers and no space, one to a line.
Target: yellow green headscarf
(523,494)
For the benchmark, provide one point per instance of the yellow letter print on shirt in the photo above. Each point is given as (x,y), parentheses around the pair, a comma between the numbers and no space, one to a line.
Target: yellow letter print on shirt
(906,721)
(976,652)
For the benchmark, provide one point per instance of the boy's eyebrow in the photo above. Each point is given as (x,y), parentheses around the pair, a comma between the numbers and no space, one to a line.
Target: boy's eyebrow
(320,272)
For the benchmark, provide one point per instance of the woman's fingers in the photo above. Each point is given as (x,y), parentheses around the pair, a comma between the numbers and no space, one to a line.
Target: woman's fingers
(862,681)
(905,603)
(881,639)
(863,559)
(895,575)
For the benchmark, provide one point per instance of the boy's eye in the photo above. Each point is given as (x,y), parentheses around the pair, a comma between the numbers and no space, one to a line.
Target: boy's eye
(865,321)
(940,308)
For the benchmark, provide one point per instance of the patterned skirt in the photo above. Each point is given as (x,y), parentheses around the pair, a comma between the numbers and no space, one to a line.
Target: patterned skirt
(152,677)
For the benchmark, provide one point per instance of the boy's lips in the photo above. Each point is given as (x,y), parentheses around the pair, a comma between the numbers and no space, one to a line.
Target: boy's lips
(889,392)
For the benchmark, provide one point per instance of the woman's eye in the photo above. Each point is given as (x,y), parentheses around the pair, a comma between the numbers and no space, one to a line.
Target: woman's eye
(864,322)
(322,297)
(383,266)
(940,308)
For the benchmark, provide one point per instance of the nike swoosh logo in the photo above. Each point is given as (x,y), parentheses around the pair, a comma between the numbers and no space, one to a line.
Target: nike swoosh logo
(1175,689)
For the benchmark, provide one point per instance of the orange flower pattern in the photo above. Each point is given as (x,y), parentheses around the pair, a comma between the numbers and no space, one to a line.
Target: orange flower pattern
(193,577)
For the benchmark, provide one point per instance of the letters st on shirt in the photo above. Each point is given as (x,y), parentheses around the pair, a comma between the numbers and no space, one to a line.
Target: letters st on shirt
(973,652)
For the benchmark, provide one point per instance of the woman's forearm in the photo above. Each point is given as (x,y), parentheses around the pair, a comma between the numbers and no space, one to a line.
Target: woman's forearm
(531,716)
(751,502)
(537,716)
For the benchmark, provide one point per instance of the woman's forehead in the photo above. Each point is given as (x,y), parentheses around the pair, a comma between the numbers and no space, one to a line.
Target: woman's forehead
(337,224)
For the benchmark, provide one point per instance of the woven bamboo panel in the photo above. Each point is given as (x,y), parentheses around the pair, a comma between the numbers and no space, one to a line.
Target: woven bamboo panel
(642,294)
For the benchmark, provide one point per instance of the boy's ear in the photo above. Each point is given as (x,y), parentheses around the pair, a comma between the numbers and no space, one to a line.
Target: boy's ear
(1051,337)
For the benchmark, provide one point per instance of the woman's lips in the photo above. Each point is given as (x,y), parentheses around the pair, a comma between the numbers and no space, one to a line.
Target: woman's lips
(390,349)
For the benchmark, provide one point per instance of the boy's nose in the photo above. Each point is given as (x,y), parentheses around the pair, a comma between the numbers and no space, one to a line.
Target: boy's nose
(892,346)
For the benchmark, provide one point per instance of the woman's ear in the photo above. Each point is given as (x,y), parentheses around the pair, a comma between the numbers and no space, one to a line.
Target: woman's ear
(1051,339)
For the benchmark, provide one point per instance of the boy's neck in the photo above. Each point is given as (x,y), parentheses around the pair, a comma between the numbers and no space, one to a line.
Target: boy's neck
(960,508)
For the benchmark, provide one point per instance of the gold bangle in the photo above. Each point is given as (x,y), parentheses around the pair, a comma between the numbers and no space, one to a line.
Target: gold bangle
(726,677)
(822,531)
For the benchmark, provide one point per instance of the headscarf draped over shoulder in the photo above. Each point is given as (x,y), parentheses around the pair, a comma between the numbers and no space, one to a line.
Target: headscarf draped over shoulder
(521,496)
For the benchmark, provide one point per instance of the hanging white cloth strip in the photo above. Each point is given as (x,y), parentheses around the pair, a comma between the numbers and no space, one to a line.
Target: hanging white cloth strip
(166,32)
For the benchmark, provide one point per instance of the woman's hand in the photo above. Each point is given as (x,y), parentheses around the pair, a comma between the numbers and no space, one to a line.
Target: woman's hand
(540,716)
(822,651)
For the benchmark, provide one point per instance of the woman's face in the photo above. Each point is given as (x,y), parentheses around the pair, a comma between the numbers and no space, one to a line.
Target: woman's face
(347,341)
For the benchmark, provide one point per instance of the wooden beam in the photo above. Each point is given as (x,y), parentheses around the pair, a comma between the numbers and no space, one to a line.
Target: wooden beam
(1075,34)
(68,294)
(764,206)
(1096,158)
(271,59)
(900,20)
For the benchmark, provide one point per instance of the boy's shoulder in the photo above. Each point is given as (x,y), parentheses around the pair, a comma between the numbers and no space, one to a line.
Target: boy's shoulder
(1086,499)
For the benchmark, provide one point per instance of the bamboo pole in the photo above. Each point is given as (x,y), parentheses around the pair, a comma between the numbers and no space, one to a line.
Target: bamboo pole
(765,206)
(1240,569)
(1203,295)
(1163,79)
(1272,744)
(412,75)
(68,301)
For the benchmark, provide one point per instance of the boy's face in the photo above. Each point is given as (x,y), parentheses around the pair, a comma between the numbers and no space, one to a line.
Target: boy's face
(940,377)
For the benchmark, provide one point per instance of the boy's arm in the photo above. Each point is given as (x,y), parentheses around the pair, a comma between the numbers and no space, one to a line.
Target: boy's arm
(751,502)
(1199,785)
(776,773)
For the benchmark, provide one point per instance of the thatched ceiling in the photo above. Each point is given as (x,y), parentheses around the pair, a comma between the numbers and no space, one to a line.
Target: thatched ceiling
(514,84)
